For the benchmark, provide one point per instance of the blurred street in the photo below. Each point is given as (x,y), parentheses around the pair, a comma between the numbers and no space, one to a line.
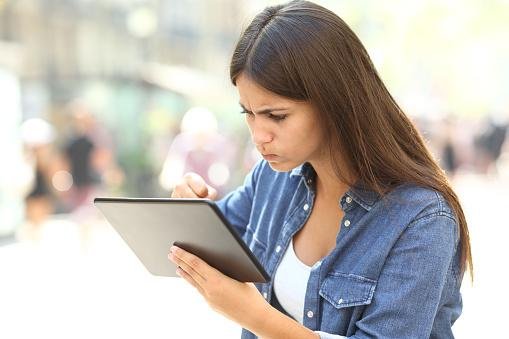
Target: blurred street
(74,280)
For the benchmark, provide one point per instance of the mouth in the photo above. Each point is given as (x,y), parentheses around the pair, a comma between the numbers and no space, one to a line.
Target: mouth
(270,157)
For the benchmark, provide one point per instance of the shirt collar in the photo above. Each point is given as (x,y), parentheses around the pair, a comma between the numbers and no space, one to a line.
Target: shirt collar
(359,193)
(301,170)
(363,196)
(307,172)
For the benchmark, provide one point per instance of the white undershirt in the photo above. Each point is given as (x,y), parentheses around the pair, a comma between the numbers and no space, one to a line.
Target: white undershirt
(290,283)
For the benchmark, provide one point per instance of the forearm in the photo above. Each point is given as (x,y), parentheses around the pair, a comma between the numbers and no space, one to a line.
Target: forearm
(273,324)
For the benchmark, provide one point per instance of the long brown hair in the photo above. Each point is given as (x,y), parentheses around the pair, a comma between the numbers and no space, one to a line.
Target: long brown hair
(303,51)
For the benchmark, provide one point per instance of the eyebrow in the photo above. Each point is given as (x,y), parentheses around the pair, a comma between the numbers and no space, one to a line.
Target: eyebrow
(266,110)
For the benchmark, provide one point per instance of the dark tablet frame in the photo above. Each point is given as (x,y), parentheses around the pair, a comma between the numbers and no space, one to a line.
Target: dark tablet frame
(224,250)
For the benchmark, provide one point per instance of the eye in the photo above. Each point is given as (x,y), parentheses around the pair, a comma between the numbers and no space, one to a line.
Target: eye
(249,114)
(278,117)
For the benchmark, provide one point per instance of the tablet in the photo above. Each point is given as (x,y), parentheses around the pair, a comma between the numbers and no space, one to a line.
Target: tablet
(151,226)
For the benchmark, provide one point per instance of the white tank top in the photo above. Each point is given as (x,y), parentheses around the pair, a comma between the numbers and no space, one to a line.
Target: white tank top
(290,283)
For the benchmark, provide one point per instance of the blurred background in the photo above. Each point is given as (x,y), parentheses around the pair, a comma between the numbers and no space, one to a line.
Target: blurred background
(120,97)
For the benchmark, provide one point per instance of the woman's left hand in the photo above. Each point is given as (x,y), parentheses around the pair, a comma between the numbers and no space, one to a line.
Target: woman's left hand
(238,301)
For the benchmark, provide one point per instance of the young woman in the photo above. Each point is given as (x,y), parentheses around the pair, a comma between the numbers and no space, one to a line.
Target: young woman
(348,211)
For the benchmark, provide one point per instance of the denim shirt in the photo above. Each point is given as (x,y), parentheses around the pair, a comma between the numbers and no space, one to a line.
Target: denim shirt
(394,272)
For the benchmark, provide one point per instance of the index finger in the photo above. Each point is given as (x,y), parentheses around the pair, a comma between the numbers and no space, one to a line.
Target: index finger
(197,184)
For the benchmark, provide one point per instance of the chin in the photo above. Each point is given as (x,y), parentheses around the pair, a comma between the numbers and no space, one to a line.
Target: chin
(282,166)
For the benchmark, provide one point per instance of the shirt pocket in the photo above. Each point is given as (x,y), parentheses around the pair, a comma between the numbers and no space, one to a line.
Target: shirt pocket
(346,290)
(344,298)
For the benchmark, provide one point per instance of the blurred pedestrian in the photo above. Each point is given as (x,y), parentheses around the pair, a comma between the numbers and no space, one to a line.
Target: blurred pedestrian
(41,154)
(199,148)
(89,152)
(449,156)
(489,143)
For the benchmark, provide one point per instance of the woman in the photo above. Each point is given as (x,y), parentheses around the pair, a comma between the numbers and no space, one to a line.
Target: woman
(348,211)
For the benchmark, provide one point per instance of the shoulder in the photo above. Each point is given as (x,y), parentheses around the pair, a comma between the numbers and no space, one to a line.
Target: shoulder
(422,202)
(424,210)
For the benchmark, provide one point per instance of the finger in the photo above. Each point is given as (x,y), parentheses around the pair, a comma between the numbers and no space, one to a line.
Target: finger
(180,272)
(212,193)
(182,190)
(185,270)
(197,184)
(197,277)
(193,265)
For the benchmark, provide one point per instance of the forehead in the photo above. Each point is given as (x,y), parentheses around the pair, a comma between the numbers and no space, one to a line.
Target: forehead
(252,94)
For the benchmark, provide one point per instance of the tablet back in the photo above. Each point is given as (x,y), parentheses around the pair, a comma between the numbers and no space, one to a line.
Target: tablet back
(151,226)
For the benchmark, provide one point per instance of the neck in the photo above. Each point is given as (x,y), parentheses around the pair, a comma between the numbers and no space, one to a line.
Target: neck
(328,184)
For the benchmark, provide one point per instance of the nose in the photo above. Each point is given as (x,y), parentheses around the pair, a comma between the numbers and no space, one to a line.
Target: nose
(260,134)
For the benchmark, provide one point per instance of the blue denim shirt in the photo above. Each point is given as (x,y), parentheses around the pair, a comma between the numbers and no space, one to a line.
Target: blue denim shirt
(394,272)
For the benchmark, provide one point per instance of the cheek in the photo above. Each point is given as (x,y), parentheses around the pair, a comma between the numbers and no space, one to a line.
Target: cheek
(308,141)
(316,136)
(304,138)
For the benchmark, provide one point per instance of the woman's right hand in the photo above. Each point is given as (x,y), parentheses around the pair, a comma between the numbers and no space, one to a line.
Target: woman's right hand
(193,186)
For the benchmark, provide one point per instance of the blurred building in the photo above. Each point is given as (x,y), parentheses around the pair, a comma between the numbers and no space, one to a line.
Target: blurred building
(66,42)
(128,59)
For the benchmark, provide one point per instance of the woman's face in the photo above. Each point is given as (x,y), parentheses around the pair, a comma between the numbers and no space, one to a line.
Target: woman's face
(285,131)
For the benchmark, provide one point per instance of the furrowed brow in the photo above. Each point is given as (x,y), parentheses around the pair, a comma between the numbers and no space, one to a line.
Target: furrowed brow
(242,106)
(266,110)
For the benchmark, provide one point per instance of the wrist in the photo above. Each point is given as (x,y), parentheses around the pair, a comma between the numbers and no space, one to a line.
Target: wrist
(264,321)
(259,318)
(271,323)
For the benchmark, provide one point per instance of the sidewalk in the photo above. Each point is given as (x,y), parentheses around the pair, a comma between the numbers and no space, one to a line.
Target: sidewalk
(486,203)
(61,287)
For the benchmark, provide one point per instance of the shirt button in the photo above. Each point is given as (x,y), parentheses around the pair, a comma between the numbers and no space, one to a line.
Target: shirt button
(310,314)
(347,223)
(265,295)
(348,200)
(340,301)
(309,181)
(278,249)
(306,207)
